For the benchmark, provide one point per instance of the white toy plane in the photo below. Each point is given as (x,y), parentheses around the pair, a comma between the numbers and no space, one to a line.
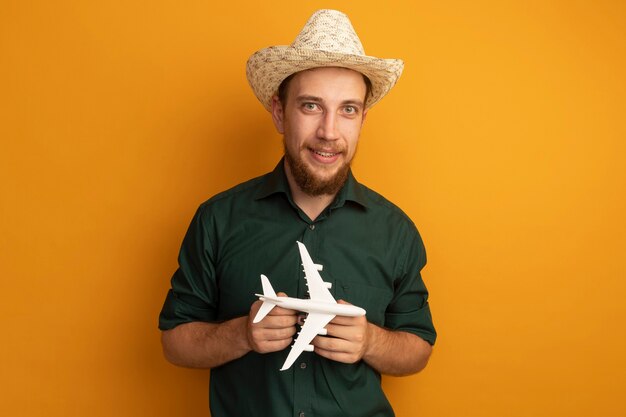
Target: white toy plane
(322,306)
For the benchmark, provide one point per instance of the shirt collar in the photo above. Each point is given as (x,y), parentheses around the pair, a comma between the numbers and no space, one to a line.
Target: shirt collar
(276,182)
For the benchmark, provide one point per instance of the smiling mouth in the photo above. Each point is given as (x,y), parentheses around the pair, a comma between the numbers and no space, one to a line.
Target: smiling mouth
(326,154)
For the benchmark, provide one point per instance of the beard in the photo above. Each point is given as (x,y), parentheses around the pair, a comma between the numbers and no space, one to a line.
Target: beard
(308,182)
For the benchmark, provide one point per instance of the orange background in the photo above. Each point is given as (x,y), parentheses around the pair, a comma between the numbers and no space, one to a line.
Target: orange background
(504,141)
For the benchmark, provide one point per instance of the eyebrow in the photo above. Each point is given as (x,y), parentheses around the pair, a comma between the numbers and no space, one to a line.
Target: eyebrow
(305,97)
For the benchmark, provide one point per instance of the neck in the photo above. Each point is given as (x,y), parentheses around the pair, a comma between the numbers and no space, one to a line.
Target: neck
(311,205)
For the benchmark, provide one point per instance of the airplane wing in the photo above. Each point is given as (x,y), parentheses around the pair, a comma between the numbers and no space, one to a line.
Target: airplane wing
(313,325)
(317,288)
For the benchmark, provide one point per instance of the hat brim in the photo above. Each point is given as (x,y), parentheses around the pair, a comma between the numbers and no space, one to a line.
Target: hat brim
(267,68)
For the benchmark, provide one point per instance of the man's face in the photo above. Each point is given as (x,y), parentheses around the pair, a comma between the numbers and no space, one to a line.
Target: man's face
(321,121)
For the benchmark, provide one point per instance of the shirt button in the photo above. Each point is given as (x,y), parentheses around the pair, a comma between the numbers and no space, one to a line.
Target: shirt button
(312,227)
(303,365)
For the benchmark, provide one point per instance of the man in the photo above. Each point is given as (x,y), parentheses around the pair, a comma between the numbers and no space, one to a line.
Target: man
(318,91)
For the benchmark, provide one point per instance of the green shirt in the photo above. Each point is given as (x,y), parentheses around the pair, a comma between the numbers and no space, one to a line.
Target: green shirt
(372,255)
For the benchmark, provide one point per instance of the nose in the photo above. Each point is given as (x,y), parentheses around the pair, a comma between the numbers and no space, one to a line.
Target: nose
(328,127)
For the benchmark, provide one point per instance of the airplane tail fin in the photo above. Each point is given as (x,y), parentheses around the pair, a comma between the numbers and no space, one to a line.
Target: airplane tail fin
(267,306)
(267,287)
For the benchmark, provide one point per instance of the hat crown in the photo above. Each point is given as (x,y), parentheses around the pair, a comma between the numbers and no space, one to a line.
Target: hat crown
(329,30)
(326,40)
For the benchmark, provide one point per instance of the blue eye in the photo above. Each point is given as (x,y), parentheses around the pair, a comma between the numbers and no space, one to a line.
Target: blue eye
(351,110)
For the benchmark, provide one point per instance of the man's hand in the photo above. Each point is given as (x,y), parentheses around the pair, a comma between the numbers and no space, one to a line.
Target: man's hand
(389,352)
(349,339)
(273,333)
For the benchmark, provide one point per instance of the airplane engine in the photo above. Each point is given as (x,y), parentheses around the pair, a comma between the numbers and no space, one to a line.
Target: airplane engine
(309,348)
(328,285)
(323,331)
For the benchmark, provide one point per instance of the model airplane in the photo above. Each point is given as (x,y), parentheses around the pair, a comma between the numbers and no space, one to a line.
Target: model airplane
(322,306)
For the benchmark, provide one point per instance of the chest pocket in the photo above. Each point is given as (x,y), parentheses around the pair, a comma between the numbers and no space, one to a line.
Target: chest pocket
(373,299)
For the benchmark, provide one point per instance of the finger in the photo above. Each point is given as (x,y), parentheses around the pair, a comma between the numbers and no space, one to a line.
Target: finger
(348,321)
(353,334)
(343,321)
(266,346)
(336,349)
(338,356)
(279,311)
(331,344)
(277,345)
(266,334)
(277,321)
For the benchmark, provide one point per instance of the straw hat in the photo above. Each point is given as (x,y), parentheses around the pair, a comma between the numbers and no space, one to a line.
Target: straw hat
(327,40)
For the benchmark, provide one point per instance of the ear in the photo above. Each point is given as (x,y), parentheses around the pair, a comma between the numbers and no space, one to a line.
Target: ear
(278,114)
(364,116)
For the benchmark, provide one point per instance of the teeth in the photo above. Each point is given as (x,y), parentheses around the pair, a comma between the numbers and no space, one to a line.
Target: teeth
(325,154)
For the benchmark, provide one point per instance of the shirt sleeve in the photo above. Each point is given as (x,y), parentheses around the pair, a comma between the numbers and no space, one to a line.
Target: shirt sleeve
(409,310)
(193,293)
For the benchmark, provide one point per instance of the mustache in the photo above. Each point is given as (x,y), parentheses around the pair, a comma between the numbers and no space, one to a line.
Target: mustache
(323,147)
